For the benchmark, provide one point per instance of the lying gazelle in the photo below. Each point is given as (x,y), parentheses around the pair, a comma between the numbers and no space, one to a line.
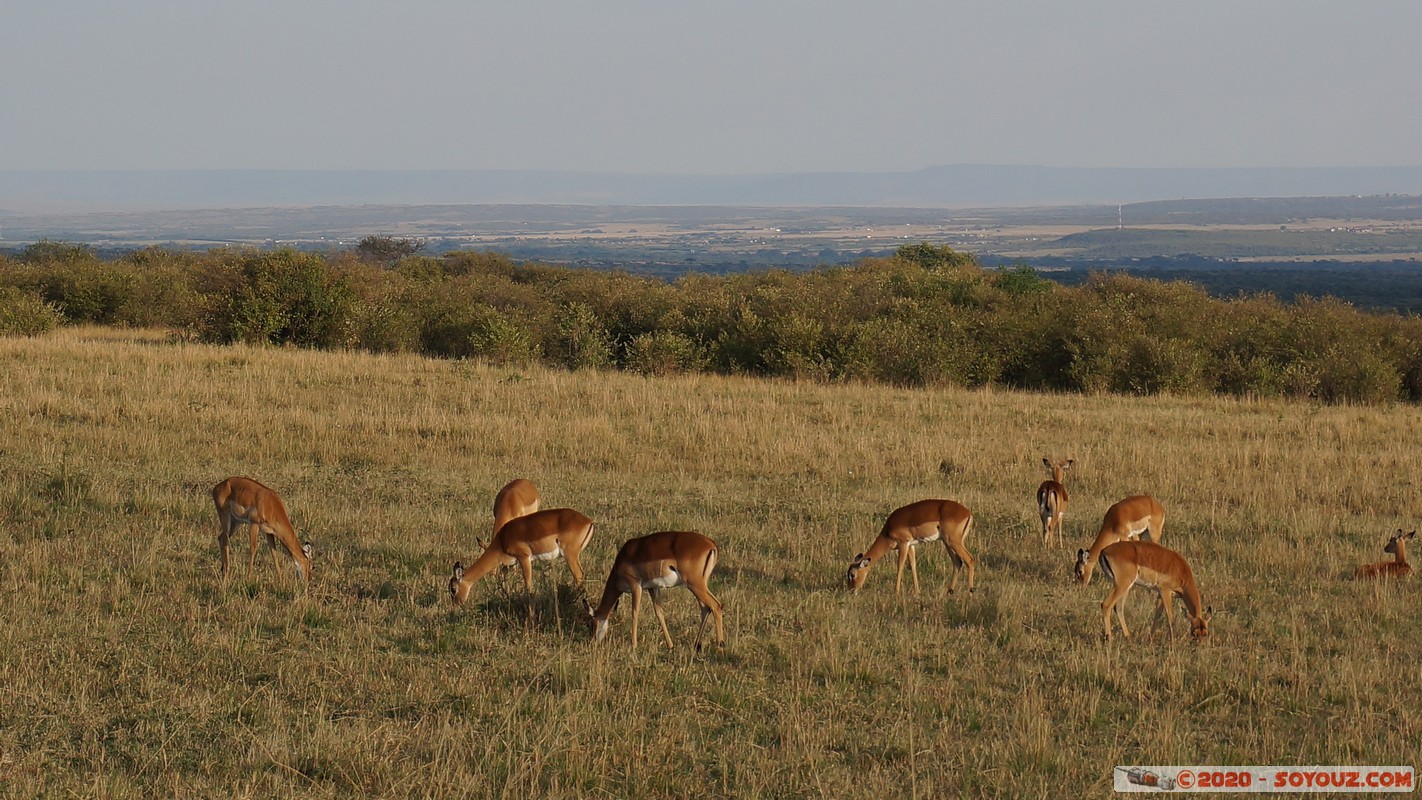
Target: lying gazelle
(1127,519)
(243,501)
(915,523)
(1129,563)
(1398,567)
(1052,499)
(518,498)
(539,536)
(660,561)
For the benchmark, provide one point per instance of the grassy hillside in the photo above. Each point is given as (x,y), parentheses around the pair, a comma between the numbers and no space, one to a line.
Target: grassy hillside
(129,669)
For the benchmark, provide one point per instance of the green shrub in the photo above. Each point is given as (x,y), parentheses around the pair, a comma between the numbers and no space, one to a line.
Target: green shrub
(284,297)
(25,313)
(664,353)
(580,341)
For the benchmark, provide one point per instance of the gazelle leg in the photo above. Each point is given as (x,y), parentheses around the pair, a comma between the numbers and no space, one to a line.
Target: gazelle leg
(255,531)
(709,605)
(636,610)
(961,558)
(656,596)
(276,556)
(913,566)
(222,541)
(1117,600)
(903,559)
(1168,607)
(526,564)
(575,567)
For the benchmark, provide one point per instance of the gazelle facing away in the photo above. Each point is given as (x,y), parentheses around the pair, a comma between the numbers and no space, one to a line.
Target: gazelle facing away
(1052,499)
(1127,519)
(660,561)
(243,501)
(1126,564)
(1398,567)
(915,523)
(518,498)
(539,536)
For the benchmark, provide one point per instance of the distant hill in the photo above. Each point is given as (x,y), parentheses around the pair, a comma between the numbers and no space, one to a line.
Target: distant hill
(934,187)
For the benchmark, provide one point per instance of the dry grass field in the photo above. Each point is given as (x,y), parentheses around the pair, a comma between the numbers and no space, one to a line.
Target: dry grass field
(129,669)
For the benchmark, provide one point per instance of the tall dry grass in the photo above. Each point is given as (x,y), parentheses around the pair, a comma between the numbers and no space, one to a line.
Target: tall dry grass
(128,669)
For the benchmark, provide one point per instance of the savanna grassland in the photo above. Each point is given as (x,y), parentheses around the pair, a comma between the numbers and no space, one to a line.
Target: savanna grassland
(128,668)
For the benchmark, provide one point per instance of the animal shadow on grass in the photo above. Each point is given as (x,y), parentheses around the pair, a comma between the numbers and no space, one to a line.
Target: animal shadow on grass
(562,613)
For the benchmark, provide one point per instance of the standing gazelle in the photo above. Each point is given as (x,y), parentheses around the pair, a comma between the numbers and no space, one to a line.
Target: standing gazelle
(1147,563)
(1127,519)
(540,536)
(660,561)
(1052,499)
(915,523)
(518,498)
(1398,567)
(243,501)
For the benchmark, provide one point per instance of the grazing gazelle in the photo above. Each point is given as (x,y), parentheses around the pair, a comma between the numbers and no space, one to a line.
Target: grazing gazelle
(539,536)
(1398,567)
(910,526)
(243,501)
(1127,563)
(1127,519)
(518,498)
(1052,499)
(660,561)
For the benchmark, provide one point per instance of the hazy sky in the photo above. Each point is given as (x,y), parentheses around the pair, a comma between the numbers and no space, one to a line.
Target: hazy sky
(709,87)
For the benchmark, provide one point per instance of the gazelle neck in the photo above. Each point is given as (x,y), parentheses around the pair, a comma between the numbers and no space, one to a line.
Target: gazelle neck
(881,546)
(1190,593)
(611,594)
(487,562)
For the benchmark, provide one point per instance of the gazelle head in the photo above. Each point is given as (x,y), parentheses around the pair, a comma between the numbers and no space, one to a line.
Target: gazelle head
(303,564)
(458,593)
(1200,626)
(1397,545)
(599,629)
(1083,567)
(1057,468)
(858,571)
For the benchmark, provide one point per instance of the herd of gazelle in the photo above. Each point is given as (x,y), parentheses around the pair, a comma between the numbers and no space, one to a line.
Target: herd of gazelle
(524,534)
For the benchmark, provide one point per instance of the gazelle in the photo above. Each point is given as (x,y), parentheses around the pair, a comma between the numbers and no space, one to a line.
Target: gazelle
(1127,519)
(1129,563)
(518,498)
(539,536)
(915,523)
(660,561)
(1052,499)
(243,501)
(1398,567)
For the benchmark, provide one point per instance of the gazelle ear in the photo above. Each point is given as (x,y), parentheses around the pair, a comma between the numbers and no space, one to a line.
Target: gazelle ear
(1410,534)
(1209,613)
(1068,463)
(1081,556)
(458,570)
(479,540)
(306,550)
(1046,462)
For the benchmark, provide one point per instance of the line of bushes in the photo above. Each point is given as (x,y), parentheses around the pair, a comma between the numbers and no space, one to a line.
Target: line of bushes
(927,315)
